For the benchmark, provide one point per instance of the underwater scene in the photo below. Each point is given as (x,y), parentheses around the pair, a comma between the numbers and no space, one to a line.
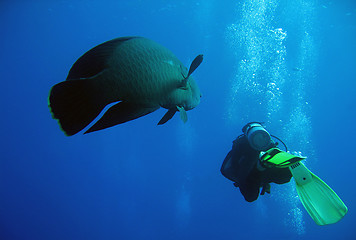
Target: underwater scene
(167,119)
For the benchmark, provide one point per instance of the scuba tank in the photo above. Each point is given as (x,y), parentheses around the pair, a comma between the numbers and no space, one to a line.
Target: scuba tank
(270,156)
(258,138)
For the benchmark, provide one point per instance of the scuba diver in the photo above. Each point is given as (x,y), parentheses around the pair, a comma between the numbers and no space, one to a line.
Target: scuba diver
(244,166)
(255,161)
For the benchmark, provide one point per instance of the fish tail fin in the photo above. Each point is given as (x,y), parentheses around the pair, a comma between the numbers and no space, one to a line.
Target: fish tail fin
(75,104)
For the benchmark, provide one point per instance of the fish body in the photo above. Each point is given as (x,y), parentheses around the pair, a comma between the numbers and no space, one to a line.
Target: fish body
(138,73)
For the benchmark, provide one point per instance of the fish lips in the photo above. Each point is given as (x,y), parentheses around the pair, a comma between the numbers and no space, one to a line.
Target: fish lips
(192,103)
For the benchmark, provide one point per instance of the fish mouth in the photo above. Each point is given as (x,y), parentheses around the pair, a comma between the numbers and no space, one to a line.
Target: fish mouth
(192,105)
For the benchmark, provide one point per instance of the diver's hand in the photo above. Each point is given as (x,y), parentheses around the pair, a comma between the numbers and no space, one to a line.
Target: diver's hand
(266,188)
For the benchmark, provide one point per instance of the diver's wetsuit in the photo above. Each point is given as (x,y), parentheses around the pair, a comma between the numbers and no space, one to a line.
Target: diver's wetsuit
(240,166)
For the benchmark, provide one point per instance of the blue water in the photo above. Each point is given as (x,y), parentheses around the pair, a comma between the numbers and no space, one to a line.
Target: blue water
(290,64)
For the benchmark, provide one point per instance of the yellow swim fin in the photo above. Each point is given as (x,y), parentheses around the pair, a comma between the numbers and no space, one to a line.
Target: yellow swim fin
(320,201)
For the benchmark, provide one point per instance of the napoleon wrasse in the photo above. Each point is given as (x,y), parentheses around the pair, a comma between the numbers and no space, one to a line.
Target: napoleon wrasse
(135,74)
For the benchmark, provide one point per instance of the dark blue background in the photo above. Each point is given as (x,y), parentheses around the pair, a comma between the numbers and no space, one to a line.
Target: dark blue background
(142,181)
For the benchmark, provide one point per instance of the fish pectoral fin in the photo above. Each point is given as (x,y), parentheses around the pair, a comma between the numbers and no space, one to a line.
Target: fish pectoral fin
(183,114)
(195,64)
(169,114)
(184,84)
(120,113)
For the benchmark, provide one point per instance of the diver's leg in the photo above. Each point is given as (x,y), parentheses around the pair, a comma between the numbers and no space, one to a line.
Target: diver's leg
(250,191)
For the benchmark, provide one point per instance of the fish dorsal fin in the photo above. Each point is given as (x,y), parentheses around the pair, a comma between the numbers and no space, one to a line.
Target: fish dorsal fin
(194,65)
(95,60)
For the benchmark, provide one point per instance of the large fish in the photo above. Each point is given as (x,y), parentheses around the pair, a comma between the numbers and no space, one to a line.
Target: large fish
(137,73)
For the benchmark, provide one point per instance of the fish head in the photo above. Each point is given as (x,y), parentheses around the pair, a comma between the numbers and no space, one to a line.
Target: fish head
(190,97)
(184,92)
(185,95)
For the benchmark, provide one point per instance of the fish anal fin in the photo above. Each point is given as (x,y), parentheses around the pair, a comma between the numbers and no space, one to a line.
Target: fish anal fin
(169,114)
(120,113)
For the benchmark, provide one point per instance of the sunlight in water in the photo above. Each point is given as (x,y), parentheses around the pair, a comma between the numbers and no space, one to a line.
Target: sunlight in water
(260,70)
(183,208)
(268,87)
(186,139)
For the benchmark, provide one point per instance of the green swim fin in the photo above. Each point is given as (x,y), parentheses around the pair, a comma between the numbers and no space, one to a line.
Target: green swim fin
(275,157)
(320,201)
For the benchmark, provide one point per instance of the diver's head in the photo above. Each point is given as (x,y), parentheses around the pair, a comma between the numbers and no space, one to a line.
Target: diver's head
(258,138)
